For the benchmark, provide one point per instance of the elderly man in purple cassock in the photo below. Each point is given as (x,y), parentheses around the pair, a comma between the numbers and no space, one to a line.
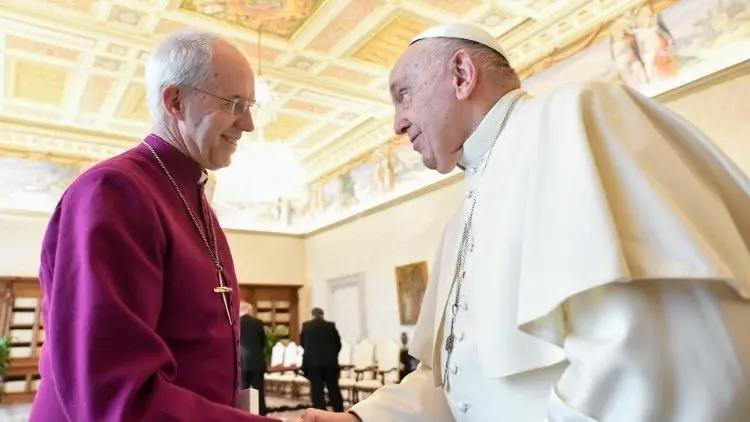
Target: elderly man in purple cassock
(140,305)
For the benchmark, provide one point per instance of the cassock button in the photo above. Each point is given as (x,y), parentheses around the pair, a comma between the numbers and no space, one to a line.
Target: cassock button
(469,194)
(473,170)
(454,369)
(464,306)
(464,407)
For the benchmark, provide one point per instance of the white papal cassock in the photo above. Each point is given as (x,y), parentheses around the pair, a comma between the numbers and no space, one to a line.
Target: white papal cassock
(606,278)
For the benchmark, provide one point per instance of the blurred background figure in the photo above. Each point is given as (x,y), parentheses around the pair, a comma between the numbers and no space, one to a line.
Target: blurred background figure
(321,342)
(252,342)
(408,362)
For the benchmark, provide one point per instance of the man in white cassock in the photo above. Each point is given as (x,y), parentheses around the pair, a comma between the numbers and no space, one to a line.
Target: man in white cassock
(599,268)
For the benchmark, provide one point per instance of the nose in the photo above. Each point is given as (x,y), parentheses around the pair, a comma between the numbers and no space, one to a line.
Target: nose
(400,124)
(245,122)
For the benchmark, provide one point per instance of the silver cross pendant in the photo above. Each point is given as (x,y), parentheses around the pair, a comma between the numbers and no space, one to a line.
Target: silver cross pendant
(449,343)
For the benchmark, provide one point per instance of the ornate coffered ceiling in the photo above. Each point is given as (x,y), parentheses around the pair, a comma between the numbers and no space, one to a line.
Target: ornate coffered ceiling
(72,86)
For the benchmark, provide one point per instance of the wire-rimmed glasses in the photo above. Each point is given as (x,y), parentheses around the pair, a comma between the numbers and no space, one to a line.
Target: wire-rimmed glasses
(237,105)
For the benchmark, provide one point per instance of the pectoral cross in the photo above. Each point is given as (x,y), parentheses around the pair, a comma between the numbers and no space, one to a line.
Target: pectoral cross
(224,291)
(449,343)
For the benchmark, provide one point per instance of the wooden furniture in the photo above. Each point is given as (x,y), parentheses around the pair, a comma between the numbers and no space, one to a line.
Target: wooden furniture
(21,318)
(276,306)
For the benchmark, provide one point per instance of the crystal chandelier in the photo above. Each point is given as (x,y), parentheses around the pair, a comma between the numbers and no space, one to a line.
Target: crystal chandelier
(266,171)
(262,170)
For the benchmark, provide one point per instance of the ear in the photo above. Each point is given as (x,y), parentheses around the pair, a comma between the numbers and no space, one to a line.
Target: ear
(464,74)
(171,99)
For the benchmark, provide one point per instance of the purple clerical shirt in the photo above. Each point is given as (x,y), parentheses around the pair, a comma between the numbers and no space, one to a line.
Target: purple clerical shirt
(134,330)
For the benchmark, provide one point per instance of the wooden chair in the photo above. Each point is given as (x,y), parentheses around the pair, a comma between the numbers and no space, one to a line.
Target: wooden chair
(290,368)
(387,354)
(346,368)
(271,378)
(363,362)
(299,382)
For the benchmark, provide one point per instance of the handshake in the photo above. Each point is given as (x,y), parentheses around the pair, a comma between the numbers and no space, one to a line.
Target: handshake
(315,415)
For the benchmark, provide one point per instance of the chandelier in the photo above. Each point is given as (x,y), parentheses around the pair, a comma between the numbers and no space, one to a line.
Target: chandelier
(262,170)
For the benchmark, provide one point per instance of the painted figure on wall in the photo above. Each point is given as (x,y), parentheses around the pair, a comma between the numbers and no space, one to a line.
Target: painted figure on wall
(411,282)
(655,43)
(626,54)
(642,47)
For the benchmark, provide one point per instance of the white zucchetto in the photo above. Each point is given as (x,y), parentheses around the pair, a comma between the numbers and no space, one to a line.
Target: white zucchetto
(462,31)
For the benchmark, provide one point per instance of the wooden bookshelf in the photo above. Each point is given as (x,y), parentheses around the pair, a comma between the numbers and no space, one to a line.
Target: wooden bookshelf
(276,306)
(21,318)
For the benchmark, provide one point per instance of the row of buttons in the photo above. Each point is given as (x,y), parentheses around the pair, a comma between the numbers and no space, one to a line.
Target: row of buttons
(463,407)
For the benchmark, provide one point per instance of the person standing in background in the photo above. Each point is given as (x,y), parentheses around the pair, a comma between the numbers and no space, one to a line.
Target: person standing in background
(320,363)
(407,363)
(253,361)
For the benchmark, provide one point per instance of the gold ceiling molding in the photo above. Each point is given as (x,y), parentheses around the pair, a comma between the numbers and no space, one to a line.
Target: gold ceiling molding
(329,60)
(51,143)
(51,129)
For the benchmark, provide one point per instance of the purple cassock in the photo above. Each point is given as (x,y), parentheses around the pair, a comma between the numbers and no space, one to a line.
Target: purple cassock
(134,329)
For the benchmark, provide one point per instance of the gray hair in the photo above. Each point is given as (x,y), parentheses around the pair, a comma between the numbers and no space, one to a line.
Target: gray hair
(184,59)
(244,307)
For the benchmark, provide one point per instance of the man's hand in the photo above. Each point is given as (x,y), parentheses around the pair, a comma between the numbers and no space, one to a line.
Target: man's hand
(315,415)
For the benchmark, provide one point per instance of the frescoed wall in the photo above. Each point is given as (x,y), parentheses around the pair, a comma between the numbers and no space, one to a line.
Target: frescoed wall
(30,185)
(653,49)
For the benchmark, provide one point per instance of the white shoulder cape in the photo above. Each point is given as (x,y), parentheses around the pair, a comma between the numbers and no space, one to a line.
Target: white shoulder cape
(615,189)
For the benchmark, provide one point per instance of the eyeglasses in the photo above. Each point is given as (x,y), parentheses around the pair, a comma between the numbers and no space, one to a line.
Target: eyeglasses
(237,106)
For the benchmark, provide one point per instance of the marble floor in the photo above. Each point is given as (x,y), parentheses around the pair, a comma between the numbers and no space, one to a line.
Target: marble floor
(20,413)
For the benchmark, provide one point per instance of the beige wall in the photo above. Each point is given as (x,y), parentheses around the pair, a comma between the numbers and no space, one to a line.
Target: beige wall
(374,244)
(20,238)
(722,111)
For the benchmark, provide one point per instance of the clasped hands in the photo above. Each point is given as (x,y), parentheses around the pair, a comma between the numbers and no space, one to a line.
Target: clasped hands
(315,415)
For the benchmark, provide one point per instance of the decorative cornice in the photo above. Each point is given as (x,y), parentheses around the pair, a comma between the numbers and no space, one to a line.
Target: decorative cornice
(49,140)
(352,145)
(716,78)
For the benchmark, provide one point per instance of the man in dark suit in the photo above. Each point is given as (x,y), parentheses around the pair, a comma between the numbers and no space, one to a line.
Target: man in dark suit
(252,342)
(320,363)
(408,362)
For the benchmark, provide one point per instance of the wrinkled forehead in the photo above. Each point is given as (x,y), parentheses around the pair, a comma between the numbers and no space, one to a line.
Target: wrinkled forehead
(408,65)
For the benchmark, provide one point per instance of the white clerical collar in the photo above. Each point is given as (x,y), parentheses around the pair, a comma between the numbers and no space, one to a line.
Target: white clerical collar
(204,177)
(485,134)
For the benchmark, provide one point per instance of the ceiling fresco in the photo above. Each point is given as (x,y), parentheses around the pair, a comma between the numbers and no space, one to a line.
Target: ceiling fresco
(72,82)
(278,17)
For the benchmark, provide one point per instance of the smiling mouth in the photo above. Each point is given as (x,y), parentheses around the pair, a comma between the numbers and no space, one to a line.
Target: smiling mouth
(232,141)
